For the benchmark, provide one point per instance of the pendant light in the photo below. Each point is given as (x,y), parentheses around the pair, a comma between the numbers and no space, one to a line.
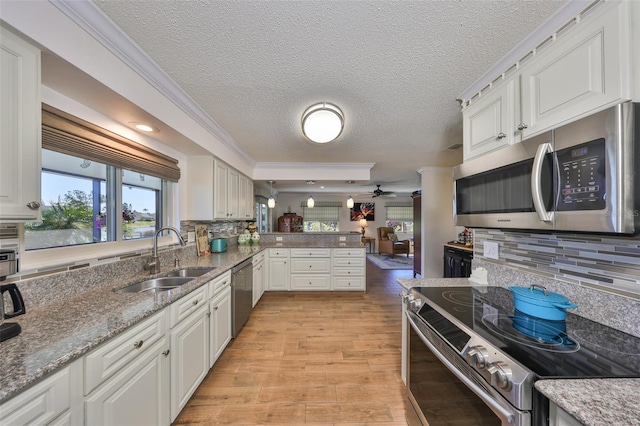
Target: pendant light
(349,202)
(271,203)
(310,202)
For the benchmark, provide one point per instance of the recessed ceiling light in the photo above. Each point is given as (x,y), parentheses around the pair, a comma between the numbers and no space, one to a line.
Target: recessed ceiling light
(144,127)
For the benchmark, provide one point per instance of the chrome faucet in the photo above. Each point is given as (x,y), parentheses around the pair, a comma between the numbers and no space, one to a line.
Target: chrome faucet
(154,265)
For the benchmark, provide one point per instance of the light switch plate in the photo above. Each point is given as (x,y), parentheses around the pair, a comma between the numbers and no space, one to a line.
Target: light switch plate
(191,236)
(491,250)
(343,238)
(278,238)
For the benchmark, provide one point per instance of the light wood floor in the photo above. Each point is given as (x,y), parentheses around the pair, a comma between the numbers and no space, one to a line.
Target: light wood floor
(311,358)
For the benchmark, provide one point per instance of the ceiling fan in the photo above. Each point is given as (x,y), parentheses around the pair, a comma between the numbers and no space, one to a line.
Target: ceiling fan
(380,193)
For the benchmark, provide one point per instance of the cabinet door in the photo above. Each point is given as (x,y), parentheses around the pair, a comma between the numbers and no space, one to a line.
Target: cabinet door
(189,358)
(137,395)
(279,274)
(245,199)
(233,186)
(219,325)
(488,124)
(220,187)
(20,129)
(584,72)
(258,281)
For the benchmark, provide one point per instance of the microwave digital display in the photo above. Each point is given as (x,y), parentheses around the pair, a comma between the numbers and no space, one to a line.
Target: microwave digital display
(582,177)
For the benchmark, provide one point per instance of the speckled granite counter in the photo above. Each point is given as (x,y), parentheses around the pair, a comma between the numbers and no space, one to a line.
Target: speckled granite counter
(71,324)
(596,402)
(407,283)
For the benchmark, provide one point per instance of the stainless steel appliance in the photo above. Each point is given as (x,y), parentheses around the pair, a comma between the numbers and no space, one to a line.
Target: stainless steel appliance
(473,360)
(241,295)
(578,177)
(8,263)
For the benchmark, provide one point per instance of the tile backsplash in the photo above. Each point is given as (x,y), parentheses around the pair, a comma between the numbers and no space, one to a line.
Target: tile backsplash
(601,262)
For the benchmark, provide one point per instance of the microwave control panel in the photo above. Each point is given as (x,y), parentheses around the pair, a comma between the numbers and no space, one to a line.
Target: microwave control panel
(582,177)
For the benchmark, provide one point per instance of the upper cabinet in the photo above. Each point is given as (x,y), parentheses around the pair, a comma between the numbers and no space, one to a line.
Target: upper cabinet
(582,69)
(20,129)
(217,191)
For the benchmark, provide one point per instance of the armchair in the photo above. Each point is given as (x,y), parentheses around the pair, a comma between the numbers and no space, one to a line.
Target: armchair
(388,242)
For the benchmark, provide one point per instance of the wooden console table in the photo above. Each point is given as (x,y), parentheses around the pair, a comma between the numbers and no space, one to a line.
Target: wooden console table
(371,242)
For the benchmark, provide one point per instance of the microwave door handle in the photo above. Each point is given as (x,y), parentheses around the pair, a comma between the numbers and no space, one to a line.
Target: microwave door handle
(536,182)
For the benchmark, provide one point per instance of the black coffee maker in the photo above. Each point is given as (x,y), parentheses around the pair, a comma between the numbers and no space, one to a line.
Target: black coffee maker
(9,266)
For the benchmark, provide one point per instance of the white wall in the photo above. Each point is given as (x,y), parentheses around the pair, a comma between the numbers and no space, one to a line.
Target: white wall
(284,200)
(437,218)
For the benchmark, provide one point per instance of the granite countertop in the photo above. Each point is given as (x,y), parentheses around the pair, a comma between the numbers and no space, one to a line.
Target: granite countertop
(459,246)
(596,402)
(57,333)
(593,402)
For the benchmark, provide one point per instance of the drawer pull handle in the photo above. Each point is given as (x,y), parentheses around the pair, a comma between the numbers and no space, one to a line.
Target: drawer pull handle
(138,344)
(501,136)
(215,309)
(208,314)
(166,353)
(195,302)
(33,205)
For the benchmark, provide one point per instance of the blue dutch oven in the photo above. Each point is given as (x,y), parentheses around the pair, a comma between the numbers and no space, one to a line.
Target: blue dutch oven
(540,303)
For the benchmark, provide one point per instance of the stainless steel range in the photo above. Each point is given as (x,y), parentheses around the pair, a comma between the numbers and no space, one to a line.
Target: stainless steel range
(473,360)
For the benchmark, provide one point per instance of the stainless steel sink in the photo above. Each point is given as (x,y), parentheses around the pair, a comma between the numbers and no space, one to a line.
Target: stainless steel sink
(156,284)
(190,272)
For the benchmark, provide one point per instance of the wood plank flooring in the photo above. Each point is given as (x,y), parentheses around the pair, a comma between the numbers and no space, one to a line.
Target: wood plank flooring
(311,358)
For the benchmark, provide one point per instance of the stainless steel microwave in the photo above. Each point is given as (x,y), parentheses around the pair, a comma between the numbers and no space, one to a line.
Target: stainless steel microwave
(579,177)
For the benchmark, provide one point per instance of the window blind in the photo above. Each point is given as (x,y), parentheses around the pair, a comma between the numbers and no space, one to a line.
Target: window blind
(71,135)
(399,212)
(321,213)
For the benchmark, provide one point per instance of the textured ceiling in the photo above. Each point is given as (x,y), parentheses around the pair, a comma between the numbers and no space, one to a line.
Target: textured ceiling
(395,69)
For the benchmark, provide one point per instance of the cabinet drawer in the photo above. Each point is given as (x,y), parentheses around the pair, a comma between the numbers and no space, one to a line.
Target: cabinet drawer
(348,272)
(311,266)
(348,283)
(348,252)
(257,258)
(106,360)
(348,262)
(310,282)
(41,403)
(219,283)
(183,307)
(278,253)
(310,252)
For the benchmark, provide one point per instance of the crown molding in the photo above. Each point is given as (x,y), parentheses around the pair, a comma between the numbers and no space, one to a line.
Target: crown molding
(94,21)
(314,171)
(567,12)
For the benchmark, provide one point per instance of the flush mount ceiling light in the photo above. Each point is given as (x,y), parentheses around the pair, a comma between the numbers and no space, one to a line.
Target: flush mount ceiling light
(322,123)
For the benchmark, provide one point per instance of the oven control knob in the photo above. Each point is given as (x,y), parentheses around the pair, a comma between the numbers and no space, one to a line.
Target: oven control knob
(415,305)
(500,375)
(478,356)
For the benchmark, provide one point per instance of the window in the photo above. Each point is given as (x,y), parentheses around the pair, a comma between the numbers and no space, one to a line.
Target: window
(324,217)
(399,217)
(75,203)
(97,187)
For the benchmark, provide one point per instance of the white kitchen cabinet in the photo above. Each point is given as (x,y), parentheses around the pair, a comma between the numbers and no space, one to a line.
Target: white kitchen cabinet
(279,270)
(219,324)
(488,124)
(46,402)
(559,417)
(586,69)
(136,395)
(215,191)
(348,269)
(311,269)
(20,129)
(259,276)
(189,357)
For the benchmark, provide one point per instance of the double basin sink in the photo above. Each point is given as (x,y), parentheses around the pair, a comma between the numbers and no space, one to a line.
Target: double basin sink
(170,281)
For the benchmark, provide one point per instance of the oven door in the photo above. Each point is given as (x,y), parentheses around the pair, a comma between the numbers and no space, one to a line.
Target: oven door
(445,390)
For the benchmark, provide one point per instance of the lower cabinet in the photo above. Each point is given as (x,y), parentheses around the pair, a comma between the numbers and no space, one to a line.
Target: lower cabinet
(189,357)
(47,402)
(457,263)
(311,269)
(136,395)
(279,269)
(219,324)
(349,269)
(259,277)
(559,417)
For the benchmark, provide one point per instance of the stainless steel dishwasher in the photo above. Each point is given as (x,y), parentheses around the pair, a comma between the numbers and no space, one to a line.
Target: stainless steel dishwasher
(241,294)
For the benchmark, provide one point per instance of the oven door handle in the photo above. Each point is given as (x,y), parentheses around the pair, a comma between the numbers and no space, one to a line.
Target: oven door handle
(504,413)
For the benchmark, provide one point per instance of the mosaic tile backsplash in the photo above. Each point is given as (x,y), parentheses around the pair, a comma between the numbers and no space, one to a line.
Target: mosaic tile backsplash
(602,262)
